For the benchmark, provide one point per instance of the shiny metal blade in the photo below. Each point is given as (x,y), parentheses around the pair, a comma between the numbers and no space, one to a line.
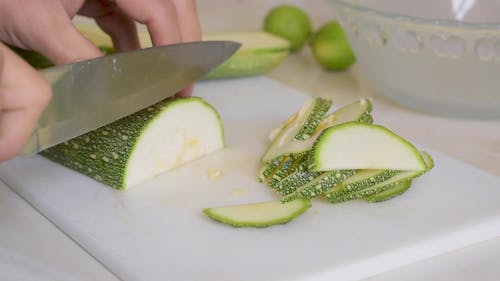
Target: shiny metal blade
(93,93)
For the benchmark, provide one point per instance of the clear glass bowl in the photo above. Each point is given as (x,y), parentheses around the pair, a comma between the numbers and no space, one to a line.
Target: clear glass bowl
(437,56)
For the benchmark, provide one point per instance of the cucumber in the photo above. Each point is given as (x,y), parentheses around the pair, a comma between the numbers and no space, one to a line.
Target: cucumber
(390,193)
(260,52)
(258,214)
(142,145)
(301,127)
(355,145)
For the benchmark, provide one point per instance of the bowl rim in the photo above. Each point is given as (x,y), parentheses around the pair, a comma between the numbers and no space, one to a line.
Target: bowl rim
(420,20)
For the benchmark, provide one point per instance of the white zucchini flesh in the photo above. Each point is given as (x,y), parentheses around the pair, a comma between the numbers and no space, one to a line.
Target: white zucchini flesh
(354,145)
(180,134)
(258,214)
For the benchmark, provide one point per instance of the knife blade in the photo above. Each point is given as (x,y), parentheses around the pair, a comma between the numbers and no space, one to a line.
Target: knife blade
(90,94)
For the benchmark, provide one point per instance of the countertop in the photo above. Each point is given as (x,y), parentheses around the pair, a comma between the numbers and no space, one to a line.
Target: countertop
(31,246)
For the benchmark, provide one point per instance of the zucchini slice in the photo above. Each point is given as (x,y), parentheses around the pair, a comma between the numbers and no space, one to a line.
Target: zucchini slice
(343,196)
(258,214)
(390,193)
(319,185)
(355,145)
(300,127)
(359,111)
(145,144)
(260,52)
(394,182)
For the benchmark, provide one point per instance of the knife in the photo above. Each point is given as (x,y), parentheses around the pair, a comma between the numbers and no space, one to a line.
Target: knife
(90,94)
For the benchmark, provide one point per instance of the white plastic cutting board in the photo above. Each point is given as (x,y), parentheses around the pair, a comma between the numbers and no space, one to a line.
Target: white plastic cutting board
(158,232)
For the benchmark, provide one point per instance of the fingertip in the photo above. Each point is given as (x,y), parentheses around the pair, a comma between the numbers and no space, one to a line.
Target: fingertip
(186,92)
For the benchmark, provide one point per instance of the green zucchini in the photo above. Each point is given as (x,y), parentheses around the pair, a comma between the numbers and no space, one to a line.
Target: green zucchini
(258,214)
(145,144)
(260,52)
(355,145)
(319,185)
(401,176)
(299,127)
(360,180)
(359,111)
(390,193)
(393,182)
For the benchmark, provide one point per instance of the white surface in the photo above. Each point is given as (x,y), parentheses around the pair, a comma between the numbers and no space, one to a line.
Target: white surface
(31,248)
(478,262)
(158,231)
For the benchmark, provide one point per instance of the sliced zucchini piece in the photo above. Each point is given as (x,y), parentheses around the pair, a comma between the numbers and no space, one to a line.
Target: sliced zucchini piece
(355,145)
(401,176)
(360,180)
(291,166)
(294,181)
(268,170)
(390,193)
(260,52)
(319,185)
(301,127)
(359,111)
(258,214)
(145,144)
(380,187)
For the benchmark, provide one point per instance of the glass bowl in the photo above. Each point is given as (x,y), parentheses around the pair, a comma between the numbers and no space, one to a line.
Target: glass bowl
(437,56)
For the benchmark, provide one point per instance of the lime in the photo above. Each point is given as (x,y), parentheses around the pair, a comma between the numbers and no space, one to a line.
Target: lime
(289,22)
(331,48)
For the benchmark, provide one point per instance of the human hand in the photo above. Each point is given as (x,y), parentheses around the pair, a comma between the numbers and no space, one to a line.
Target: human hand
(45,25)
(24,93)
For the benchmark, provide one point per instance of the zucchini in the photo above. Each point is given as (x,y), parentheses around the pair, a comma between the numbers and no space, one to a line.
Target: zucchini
(301,127)
(394,182)
(403,176)
(360,180)
(142,145)
(390,193)
(260,52)
(319,185)
(359,111)
(355,145)
(258,214)
(292,165)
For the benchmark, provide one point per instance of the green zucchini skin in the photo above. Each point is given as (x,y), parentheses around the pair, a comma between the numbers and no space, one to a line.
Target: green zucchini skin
(247,64)
(319,185)
(390,193)
(321,107)
(262,214)
(104,154)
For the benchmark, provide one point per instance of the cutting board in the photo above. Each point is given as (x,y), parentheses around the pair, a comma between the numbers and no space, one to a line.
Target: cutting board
(156,231)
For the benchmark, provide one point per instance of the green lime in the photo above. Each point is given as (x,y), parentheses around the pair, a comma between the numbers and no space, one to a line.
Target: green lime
(289,22)
(331,48)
